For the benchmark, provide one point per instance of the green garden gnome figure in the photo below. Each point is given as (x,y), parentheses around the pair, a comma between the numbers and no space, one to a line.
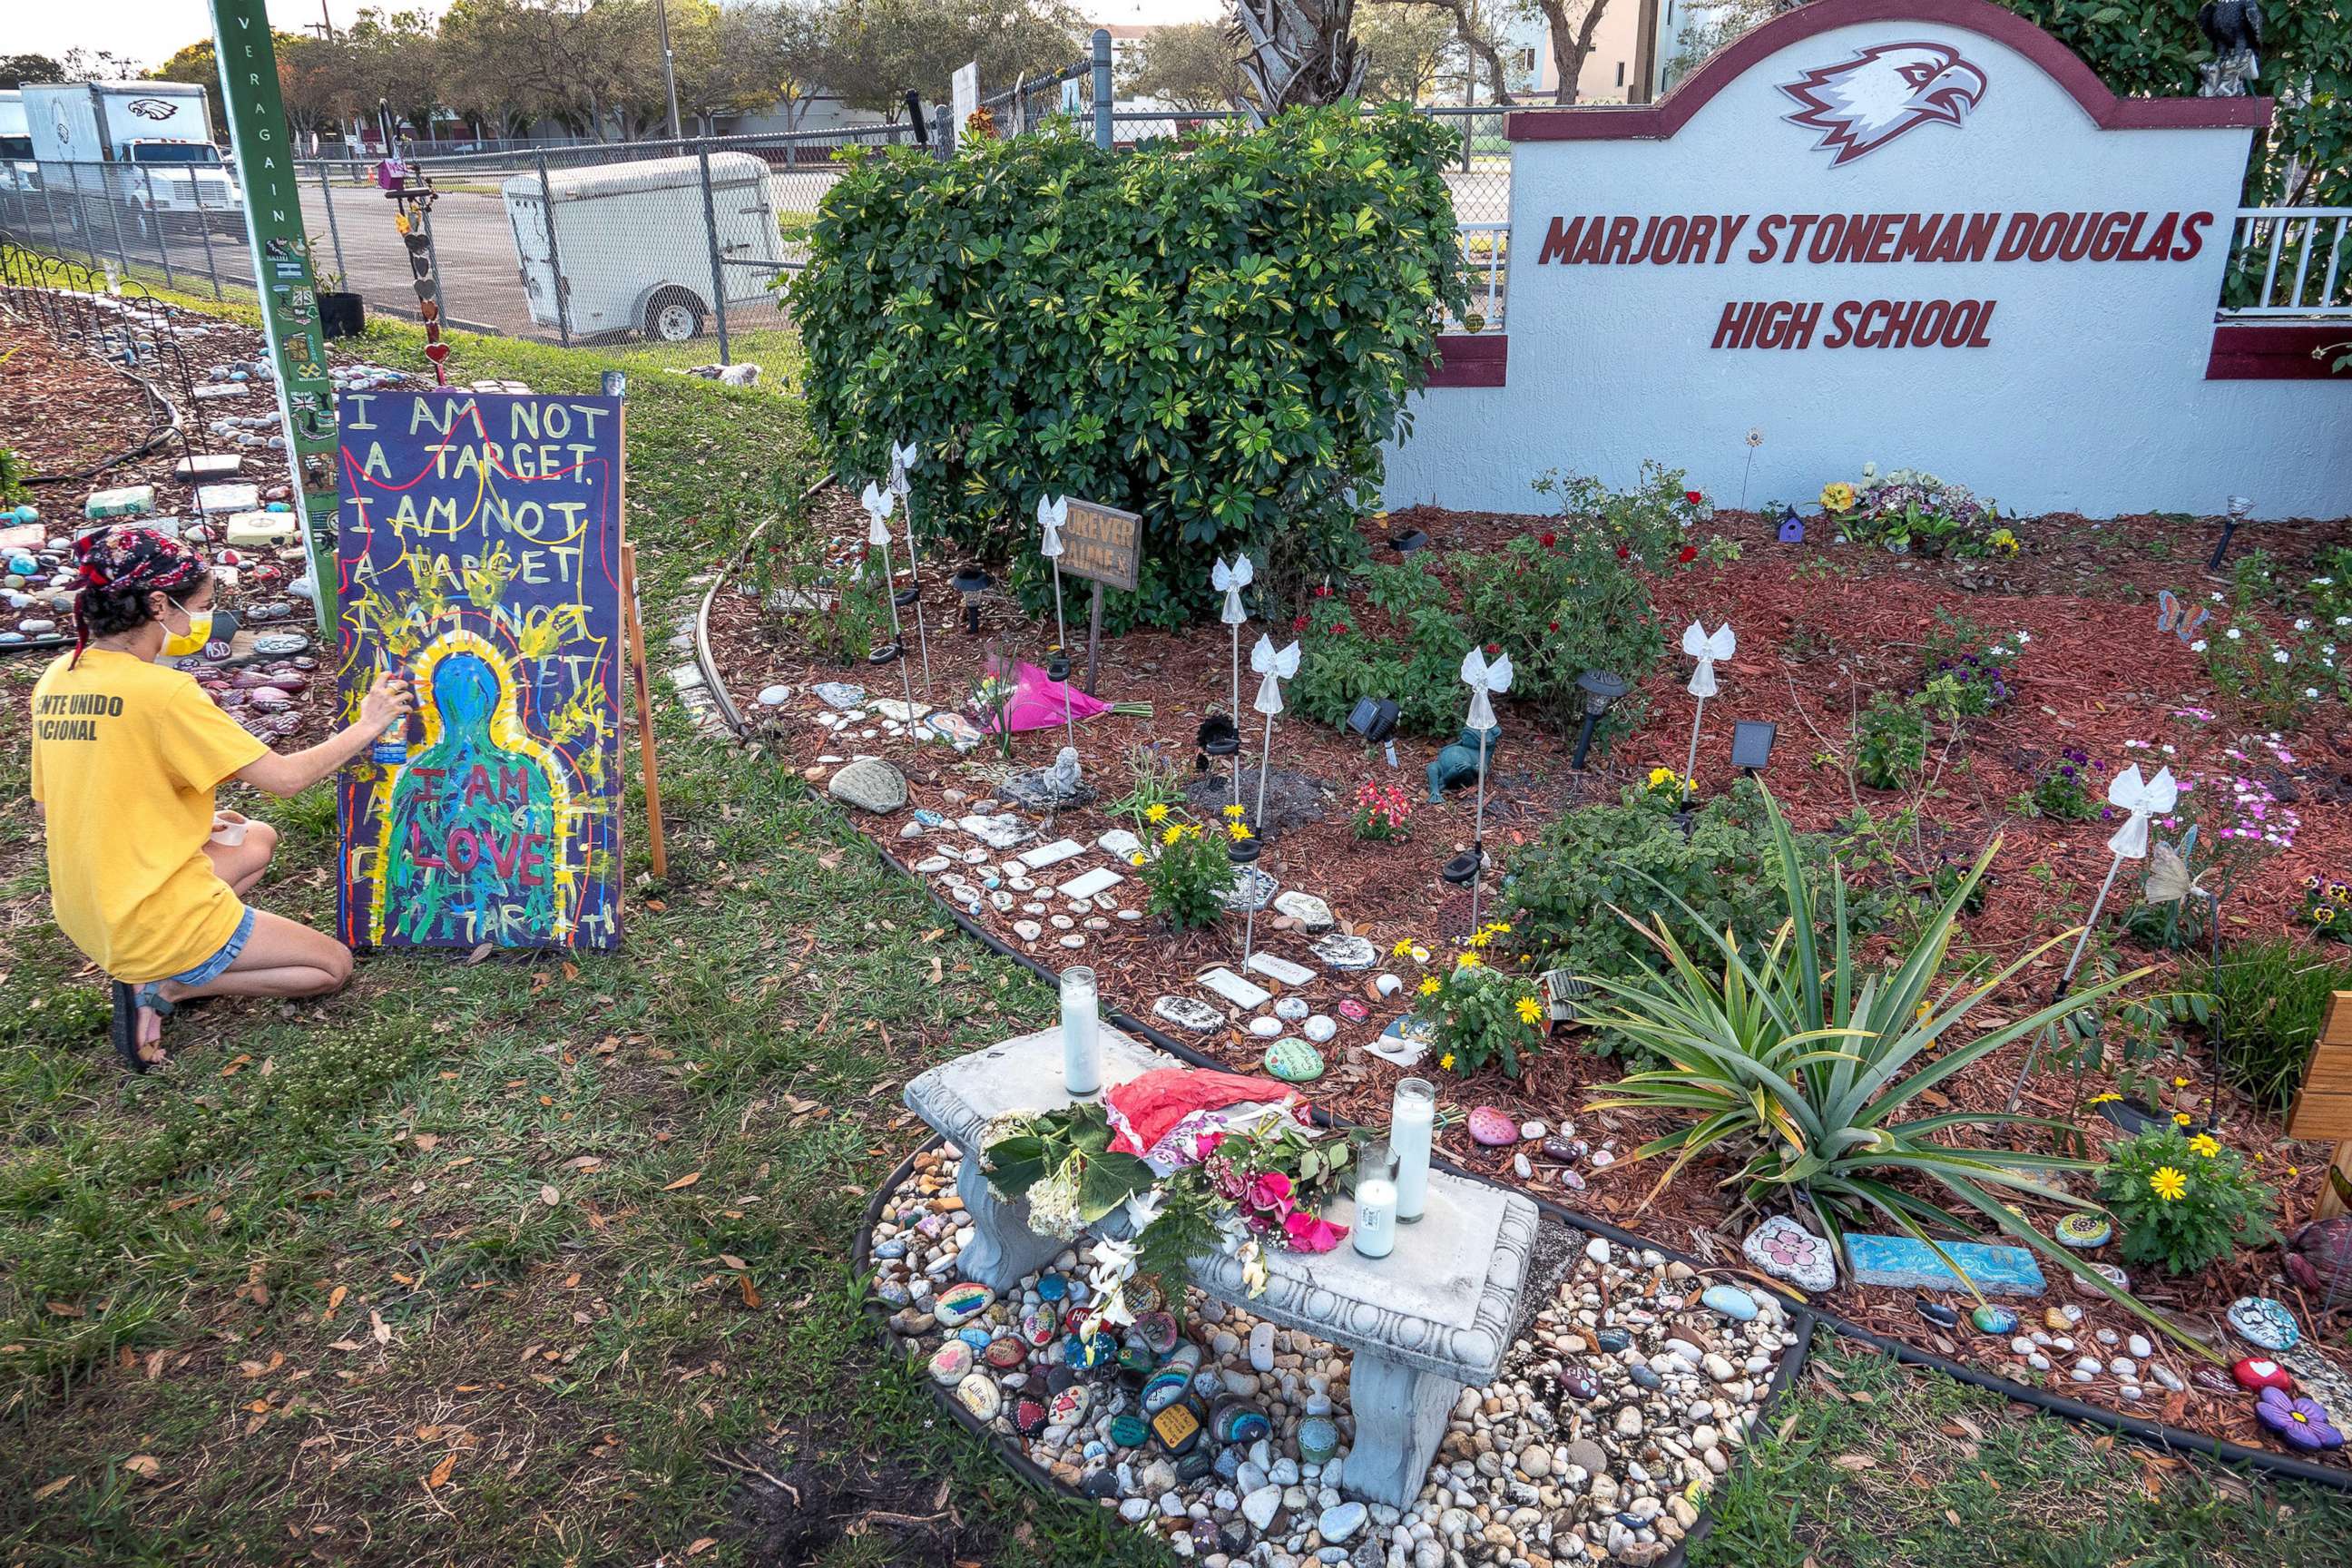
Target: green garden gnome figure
(1457,764)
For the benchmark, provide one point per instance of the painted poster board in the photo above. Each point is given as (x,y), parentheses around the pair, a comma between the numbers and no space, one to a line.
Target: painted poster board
(479,553)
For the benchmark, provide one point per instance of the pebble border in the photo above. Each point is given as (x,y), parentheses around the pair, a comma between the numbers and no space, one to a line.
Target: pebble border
(2155,1433)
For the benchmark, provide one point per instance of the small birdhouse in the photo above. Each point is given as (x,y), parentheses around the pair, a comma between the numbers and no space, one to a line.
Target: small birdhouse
(1792,527)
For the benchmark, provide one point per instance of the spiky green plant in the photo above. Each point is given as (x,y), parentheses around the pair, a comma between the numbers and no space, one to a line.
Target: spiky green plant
(1800,1066)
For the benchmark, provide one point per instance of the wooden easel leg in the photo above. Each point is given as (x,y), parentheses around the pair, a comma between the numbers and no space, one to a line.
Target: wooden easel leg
(644,711)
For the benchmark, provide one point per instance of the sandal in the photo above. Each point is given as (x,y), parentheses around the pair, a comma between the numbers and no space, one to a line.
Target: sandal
(150,997)
(123,1028)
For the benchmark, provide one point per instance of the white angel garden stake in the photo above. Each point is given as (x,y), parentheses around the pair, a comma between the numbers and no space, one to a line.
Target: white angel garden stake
(1230,581)
(1052,513)
(903,459)
(1707,647)
(1485,681)
(879,504)
(1275,666)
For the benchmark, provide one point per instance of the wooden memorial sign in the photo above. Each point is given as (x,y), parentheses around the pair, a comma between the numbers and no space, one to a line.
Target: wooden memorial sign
(2324,1109)
(1104,545)
(480,555)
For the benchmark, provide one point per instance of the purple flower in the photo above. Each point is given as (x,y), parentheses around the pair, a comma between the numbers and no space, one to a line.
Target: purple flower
(2300,1421)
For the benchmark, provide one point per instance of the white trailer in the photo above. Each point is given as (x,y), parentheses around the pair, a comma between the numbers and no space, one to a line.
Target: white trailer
(629,252)
(142,149)
(19,174)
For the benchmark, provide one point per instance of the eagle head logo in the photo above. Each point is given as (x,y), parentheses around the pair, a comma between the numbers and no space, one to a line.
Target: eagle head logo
(1861,104)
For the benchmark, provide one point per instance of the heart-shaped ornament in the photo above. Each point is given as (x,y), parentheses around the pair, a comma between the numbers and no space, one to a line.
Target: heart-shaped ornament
(2260,1372)
(436,352)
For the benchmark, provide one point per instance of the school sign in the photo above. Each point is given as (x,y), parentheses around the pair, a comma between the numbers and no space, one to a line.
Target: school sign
(1915,232)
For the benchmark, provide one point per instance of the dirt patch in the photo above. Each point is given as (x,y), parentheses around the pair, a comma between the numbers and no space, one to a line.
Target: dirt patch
(791,1514)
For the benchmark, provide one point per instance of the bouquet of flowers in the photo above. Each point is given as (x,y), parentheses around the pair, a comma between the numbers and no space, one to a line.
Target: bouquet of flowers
(1383,813)
(1907,510)
(1197,1160)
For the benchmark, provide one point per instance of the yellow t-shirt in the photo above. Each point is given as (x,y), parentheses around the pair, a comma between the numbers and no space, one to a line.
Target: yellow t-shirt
(126,755)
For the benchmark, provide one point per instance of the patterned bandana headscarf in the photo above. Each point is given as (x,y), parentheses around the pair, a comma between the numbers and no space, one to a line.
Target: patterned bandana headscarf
(141,559)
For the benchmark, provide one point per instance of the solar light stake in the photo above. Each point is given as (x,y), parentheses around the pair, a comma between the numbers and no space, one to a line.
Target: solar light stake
(878,505)
(1484,680)
(1276,667)
(1707,647)
(903,459)
(1051,515)
(1230,581)
(2238,507)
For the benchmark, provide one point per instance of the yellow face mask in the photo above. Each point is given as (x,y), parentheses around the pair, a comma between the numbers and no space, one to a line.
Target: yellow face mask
(200,632)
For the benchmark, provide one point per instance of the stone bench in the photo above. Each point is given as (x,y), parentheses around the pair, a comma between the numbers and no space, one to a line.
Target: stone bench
(1432,1317)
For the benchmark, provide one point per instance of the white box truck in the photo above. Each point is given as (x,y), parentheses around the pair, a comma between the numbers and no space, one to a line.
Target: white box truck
(19,174)
(137,152)
(628,251)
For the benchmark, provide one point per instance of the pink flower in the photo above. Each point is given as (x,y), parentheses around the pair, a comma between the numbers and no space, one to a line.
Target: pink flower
(1205,1144)
(1310,1234)
(1271,1193)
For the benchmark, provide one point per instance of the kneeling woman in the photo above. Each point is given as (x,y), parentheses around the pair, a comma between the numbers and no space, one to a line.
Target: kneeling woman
(145,874)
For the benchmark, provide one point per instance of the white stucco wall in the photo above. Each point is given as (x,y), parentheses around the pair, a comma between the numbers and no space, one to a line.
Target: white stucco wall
(2090,398)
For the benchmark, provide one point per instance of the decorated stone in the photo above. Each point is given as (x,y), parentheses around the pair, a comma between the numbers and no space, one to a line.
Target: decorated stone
(2260,1372)
(1293,1061)
(1144,1297)
(2084,1230)
(1731,1301)
(838,694)
(1251,889)
(1936,1313)
(1313,915)
(1136,1357)
(1611,1340)
(1052,1286)
(2263,1323)
(1989,1318)
(1404,1042)
(1129,1431)
(975,1336)
(2300,1423)
(1238,1421)
(1164,1388)
(1186,1013)
(1318,1439)
(869,784)
(1786,1250)
(1355,1012)
(1491,1128)
(1264,1028)
(1319,1029)
(961,1302)
(1069,1406)
(1644,1378)
(1029,1417)
(1568,1151)
(1177,1428)
(2060,1320)
(1290,1009)
(1088,1352)
(950,1363)
(979,1394)
(1005,1354)
(1158,1332)
(1578,1383)
(2107,1271)
(1345,951)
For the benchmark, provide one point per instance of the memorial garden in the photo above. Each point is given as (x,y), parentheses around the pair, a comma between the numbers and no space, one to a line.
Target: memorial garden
(1009,954)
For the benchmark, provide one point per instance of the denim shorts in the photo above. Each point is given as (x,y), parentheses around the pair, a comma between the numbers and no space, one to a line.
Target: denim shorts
(213,968)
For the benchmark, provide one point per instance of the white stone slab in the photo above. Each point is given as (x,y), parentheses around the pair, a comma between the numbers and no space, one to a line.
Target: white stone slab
(258,528)
(218,499)
(1235,989)
(1091,883)
(223,389)
(1118,841)
(1280,969)
(1052,854)
(1001,831)
(207,466)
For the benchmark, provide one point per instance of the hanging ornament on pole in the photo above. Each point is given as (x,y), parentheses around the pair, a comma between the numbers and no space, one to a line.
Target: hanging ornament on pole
(412,196)
(2140,799)
(879,504)
(1275,666)
(1707,647)
(903,459)
(1230,581)
(1052,513)
(1485,680)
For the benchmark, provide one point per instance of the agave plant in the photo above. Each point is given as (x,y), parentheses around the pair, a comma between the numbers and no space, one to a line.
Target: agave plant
(1803,1063)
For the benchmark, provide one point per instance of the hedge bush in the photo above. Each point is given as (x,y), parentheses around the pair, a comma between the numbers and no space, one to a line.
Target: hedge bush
(1218,334)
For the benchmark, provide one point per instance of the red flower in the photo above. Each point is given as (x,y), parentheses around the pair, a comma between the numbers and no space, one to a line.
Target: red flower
(1623,553)
(1299,625)
(1689,554)
(1549,540)
(1694,496)
(1554,625)
(1323,590)
(1493,648)
(1339,629)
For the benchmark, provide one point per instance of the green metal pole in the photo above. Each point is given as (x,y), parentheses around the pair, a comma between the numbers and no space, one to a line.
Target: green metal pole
(256,112)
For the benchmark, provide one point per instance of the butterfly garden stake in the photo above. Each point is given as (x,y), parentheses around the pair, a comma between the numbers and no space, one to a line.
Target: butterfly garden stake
(1052,513)
(1276,667)
(879,504)
(903,459)
(2139,799)
(1485,680)
(1707,647)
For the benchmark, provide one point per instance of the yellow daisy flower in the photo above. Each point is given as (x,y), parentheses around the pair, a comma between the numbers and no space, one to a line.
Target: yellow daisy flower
(1530,1009)
(2203,1143)
(1236,812)
(1429,985)
(1136,859)
(2168,1184)
(1240,830)
(2180,1118)
(2180,1083)
(2102,1099)
(1174,831)
(1837,495)
(1155,813)
(1404,945)
(1446,1061)
(1466,959)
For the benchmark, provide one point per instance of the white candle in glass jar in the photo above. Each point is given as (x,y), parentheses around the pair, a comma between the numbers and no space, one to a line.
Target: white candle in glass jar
(1412,1119)
(1376,1217)
(1081,1032)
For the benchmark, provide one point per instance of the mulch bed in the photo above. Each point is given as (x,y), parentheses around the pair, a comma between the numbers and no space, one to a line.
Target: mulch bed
(1821,628)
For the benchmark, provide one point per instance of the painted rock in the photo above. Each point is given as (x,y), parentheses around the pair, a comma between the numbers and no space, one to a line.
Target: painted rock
(1037,1325)
(1069,1406)
(1936,1313)
(2300,1423)
(1237,1421)
(1578,1383)
(1731,1300)
(1290,1009)
(1088,1352)
(1998,1321)
(2260,1372)
(979,1394)
(2059,1319)
(1129,1431)
(2107,1272)
(1135,1356)
(1355,1012)
(1346,951)
(1644,1378)
(1186,1013)
(2264,1324)
(1158,1332)
(1028,1417)
(1266,1028)
(1177,1428)
(1293,1061)
(1004,1354)
(961,1302)
(2082,1231)
(1144,1297)
(1319,1029)
(977,1338)
(1491,1128)
(1612,1341)
(1787,1250)
(950,1363)
(1318,1439)
(1052,1286)
(1568,1150)
(1165,1387)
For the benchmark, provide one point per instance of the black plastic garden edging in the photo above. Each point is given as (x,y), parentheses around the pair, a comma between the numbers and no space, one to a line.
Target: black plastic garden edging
(2155,1433)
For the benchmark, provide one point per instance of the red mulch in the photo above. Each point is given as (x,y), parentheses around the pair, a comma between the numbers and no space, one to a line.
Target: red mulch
(1821,628)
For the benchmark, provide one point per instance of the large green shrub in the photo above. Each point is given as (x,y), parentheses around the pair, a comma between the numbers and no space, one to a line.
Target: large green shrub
(1218,334)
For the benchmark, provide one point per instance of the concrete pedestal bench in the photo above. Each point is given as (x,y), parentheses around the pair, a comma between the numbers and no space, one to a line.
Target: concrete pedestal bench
(1435,1315)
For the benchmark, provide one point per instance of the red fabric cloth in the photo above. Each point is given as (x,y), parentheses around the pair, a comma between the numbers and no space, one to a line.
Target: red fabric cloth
(1152,1105)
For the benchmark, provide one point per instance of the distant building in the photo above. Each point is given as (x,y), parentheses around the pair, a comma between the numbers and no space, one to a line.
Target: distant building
(1627,62)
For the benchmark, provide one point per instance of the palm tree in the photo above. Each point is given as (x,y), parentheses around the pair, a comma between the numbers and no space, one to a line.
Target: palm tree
(1296,52)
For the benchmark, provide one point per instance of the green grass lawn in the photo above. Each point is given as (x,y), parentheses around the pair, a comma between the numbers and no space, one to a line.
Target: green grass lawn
(528,1261)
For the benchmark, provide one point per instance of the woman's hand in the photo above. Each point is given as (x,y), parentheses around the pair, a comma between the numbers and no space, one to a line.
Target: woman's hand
(388,702)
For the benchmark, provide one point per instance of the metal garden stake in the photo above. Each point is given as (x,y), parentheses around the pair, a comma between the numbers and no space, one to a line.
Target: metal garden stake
(1276,667)
(880,503)
(1707,647)
(1484,680)
(903,459)
(1052,513)
(1230,581)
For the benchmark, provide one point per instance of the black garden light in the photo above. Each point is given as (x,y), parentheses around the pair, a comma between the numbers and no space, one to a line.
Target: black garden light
(1751,744)
(1218,737)
(2240,506)
(1375,719)
(1602,689)
(1463,868)
(1411,539)
(971,583)
(1057,665)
